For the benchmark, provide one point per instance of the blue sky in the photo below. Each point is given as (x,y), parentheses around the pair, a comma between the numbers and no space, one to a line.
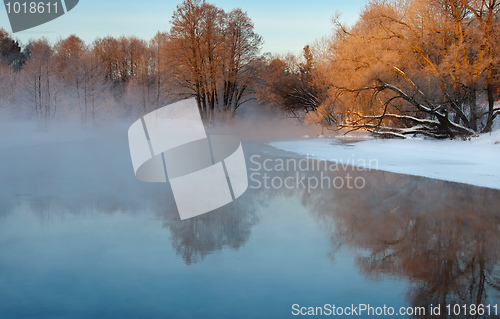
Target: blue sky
(284,25)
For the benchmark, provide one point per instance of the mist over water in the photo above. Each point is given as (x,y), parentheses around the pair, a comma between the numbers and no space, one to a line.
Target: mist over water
(81,235)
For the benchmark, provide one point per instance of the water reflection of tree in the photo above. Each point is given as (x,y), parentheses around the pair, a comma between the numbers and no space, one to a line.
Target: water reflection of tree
(442,236)
(193,239)
(227,227)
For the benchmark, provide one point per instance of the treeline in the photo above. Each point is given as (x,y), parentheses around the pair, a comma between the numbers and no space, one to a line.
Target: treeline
(406,67)
(208,54)
(427,67)
(43,80)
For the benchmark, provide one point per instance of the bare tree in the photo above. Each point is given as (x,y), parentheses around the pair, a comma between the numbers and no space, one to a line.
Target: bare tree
(115,56)
(67,59)
(39,83)
(159,67)
(294,85)
(402,71)
(192,54)
(486,14)
(212,55)
(240,60)
(93,81)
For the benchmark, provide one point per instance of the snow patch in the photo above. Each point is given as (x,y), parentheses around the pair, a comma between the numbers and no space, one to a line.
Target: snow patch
(472,162)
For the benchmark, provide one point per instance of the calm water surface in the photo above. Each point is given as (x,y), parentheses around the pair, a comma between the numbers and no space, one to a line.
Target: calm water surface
(80,237)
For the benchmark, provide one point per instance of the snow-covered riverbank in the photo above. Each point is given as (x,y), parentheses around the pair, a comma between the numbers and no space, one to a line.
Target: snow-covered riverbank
(474,162)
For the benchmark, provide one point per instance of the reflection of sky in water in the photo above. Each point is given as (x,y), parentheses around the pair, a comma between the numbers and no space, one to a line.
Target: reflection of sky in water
(87,240)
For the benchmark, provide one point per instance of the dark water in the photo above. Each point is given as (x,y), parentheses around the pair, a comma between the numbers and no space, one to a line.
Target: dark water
(80,237)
